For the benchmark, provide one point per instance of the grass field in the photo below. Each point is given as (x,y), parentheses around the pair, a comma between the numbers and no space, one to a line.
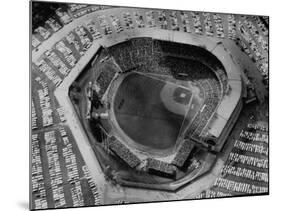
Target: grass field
(142,115)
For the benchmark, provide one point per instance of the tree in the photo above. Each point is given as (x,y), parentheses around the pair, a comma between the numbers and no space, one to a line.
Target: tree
(42,11)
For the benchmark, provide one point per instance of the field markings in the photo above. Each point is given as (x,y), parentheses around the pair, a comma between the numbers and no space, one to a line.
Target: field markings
(159,79)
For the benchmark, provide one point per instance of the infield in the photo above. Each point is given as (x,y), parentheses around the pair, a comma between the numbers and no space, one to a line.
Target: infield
(151,111)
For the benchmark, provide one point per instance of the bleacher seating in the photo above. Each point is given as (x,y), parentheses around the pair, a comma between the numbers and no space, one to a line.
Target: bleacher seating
(104,79)
(183,153)
(123,152)
(160,166)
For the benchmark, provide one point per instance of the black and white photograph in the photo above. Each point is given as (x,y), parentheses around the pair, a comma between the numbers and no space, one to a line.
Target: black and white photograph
(134,105)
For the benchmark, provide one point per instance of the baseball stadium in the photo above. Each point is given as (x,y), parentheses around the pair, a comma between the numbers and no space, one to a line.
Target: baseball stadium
(137,105)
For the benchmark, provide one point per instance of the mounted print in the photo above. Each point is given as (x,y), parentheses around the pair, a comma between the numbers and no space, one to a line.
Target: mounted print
(133,105)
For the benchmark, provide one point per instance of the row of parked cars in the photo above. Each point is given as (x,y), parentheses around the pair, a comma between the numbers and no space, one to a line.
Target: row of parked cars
(249,147)
(57,63)
(185,21)
(55,171)
(257,127)
(139,19)
(45,105)
(92,184)
(219,25)
(33,116)
(239,187)
(71,169)
(212,194)
(212,23)
(247,164)
(232,34)
(49,72)
(245,173)
(248,160)
(254,136)
(257,45)
(174,21)
(37,177)
(197,23)
(162,19)
(208,24)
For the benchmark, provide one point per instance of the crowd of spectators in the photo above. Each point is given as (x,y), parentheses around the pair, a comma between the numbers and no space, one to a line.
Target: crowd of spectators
(123,152)
(211,88)
(183,153)
(134,52)
(104,79)
(160,166)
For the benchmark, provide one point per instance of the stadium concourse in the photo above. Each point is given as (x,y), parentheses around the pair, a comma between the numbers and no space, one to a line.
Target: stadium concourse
(227,58)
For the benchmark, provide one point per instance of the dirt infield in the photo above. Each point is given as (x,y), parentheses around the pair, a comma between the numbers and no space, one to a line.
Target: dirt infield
(142,115)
